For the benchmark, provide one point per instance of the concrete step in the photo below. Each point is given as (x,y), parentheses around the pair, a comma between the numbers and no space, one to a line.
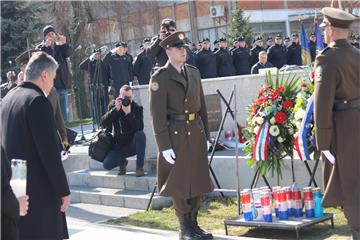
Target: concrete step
(117,197)
(110,179)
(149,165)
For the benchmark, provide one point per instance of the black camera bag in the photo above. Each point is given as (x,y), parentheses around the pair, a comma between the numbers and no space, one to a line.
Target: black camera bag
(100,145)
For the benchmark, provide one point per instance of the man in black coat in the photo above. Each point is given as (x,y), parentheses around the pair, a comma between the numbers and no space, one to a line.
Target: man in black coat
(125,119)
(294,51)
(206,61)
(277,53)
(143,64)
(167,27)
(224,63)
(269,43)
(312,46)
(56,46)
(29,133)
(254,52)
(241,56)
(119,67)
(263,63)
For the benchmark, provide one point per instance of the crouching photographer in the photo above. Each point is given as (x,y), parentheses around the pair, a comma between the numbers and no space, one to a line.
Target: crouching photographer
(125,119)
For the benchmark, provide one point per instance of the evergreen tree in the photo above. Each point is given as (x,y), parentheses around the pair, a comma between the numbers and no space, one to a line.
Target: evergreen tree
(19,21)
(239,26)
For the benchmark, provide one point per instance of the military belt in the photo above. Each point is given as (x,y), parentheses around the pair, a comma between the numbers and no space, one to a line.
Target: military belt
(347,105)
(182,117)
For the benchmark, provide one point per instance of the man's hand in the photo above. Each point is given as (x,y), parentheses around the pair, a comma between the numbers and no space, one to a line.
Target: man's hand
(9,75)
(23,205)
(127,109)
(62,40)
(329,156)
(169,156)
(118,103)
(65,203)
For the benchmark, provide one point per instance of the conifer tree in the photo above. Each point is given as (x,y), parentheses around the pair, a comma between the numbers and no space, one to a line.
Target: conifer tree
(239,26)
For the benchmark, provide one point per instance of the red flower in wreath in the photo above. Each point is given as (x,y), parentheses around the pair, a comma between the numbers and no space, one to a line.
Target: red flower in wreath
(263,89)
(280,89)
(280,117)
(261,100)
(253,109)
(274,95)
(287,104)
(304,85)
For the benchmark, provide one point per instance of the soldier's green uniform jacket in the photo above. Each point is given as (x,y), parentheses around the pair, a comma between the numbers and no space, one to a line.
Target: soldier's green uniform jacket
(171,93)
(337,80)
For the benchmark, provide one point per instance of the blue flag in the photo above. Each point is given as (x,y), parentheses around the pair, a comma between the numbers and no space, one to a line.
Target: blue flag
(319,40)
(305,50)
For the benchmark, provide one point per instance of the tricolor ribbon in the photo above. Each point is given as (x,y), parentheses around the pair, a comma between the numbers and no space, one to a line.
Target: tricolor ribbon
(301,141)
(261,142)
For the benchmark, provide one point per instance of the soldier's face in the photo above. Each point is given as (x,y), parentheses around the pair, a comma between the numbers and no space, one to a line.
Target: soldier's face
(242,44)
(278,41)
(206,45)
(177,55)
(120,51)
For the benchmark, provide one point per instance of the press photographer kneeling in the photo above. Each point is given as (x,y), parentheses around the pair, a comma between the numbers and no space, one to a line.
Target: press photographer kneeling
(125,119)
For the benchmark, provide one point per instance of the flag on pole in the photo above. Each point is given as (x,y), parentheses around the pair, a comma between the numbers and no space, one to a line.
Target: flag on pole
(305,50)
(319,39)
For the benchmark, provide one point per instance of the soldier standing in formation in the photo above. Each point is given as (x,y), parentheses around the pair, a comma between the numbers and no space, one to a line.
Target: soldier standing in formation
(241,56)
(269,43)
(254,52)
(143,64)
(180,124)
(312,46)
(277,53)
(294,51)
(224,63)
(337,116)
(216,45)
(206,61)
(119,67)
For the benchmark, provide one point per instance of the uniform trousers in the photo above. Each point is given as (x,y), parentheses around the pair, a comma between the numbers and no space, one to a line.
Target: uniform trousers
(183,206)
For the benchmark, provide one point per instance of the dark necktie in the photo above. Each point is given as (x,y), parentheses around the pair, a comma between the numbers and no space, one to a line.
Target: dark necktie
(182,72)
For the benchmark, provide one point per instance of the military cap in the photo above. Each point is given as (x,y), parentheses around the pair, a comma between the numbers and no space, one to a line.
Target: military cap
(312,34)
(216,41)
(176,39)
(235,40)
(146,40)
(121,44)
(241,39)
(168,22)
(24,57)
(258,39)
(222,40)
(269,39)
(206,40)
(295,35)
(199,42)
(278,36)
(47,29)
(287,39)
(336,17)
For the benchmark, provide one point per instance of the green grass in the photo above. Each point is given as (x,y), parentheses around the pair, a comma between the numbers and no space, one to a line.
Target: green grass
(76,123)
(213,212)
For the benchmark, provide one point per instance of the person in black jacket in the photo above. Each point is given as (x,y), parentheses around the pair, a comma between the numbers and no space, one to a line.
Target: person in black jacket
(206,61)
(167,27)
(216,45)
(254,52)
(269,43)
(241,56)
(277,53)
(119,67)
(29,133)
(55,45)
(143,64)
(224,63)
(125,119)
(294,51)
(11,207)
(263,63)
(312,46)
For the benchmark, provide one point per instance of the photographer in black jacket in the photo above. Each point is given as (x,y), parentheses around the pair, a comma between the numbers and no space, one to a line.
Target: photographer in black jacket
(125,119)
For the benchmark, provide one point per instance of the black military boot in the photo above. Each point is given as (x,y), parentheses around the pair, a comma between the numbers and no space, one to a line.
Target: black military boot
(197,229)
(186,232)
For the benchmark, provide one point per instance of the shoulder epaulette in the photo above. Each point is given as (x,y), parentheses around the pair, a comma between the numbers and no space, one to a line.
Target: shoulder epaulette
(324,50)
(191,66)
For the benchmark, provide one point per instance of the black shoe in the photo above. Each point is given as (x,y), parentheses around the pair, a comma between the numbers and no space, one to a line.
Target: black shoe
(186,232)
(122,169)
(197,229)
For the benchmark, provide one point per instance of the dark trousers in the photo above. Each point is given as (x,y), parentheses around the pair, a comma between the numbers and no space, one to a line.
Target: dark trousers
(183,206)
(117,155)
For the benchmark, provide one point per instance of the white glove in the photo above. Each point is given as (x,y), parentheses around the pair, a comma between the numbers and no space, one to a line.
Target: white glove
(208,145)
(329,156)
(169,156)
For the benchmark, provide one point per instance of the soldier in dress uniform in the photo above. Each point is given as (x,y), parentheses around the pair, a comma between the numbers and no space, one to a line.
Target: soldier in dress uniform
(269,43)
(241,56)
(180,124)
(216,45)
(294,51)
(224,63)
(287,42)
(337,116)
(206,61)
(277,53)
(312,46)
(254,52)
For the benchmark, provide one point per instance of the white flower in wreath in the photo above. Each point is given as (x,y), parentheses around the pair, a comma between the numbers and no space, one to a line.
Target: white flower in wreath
(259,120)
(253,120)
(274,131)
(291,131)
(300,113)
(280,139)
(256,129)
(272,121)
(298,124)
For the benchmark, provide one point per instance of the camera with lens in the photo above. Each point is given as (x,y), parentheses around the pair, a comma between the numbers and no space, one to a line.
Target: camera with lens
(125,101)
